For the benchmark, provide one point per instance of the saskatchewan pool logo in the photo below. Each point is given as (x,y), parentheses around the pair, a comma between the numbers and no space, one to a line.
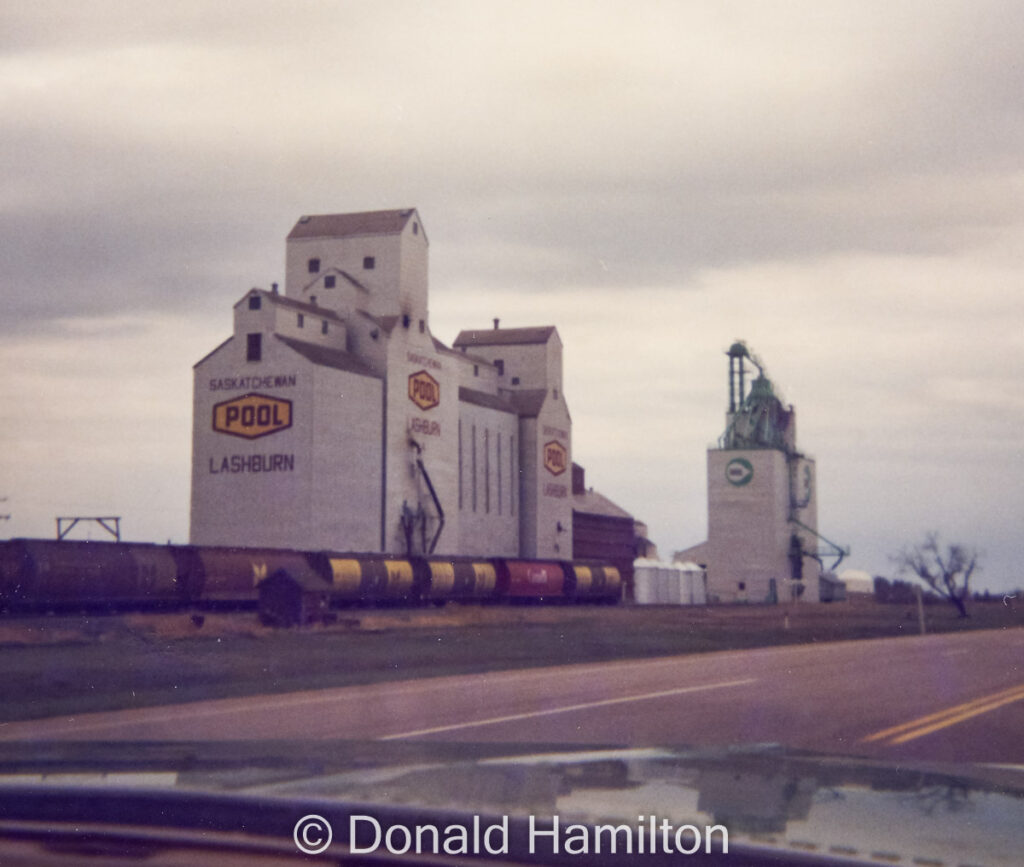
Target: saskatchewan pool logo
(739,472)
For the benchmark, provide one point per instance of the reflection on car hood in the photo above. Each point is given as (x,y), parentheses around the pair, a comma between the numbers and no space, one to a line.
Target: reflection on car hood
(769,800)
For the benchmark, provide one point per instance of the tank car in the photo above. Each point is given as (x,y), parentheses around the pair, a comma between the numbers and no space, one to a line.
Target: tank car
(372,579)
(231,576)
(592,581)
(9,574)
(531,580)
(458,579)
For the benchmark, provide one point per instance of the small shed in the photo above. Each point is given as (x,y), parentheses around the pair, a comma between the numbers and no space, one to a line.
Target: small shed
(287,599)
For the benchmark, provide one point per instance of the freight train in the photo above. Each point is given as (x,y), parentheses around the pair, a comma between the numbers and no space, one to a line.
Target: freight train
(43,574)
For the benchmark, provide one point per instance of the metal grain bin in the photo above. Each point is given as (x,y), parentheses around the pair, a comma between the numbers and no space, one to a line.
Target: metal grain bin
(656,583)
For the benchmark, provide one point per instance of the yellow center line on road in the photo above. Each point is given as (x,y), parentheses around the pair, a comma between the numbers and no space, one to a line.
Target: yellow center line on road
(925,725)
(568,708)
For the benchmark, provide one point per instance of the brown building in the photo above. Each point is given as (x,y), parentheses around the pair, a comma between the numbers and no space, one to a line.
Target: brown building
(602,530)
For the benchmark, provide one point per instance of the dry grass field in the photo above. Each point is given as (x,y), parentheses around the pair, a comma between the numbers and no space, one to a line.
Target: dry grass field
(75,663)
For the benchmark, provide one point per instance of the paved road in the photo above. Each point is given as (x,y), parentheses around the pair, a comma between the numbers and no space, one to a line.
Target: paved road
(944,697)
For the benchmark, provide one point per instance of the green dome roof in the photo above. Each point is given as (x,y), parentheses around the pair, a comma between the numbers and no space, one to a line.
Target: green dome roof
(738,350)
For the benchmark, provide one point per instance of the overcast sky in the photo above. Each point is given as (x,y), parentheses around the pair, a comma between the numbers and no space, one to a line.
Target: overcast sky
(839,184)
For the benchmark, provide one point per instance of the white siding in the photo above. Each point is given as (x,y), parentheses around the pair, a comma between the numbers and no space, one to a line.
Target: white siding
(749,530)
(303,501)
(488,525)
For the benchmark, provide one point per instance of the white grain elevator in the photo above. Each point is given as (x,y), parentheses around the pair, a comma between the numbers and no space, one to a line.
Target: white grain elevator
(763,543)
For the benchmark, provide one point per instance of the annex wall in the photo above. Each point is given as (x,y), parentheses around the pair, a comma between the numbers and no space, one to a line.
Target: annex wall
(422,428)
(752,497)
(488,498)
(748,530)
(547,482)
(260,473)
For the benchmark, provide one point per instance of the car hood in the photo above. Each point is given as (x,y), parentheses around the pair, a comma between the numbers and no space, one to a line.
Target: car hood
(773,803)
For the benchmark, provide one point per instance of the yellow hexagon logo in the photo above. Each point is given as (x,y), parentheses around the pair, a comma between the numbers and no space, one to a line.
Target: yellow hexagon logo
(556,458)
(424,390)
(252,415)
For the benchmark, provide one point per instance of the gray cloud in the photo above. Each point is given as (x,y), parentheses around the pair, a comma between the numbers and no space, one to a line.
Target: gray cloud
(657,142)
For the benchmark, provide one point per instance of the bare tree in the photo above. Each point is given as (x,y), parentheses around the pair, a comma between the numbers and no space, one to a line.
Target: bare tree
(946,570)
